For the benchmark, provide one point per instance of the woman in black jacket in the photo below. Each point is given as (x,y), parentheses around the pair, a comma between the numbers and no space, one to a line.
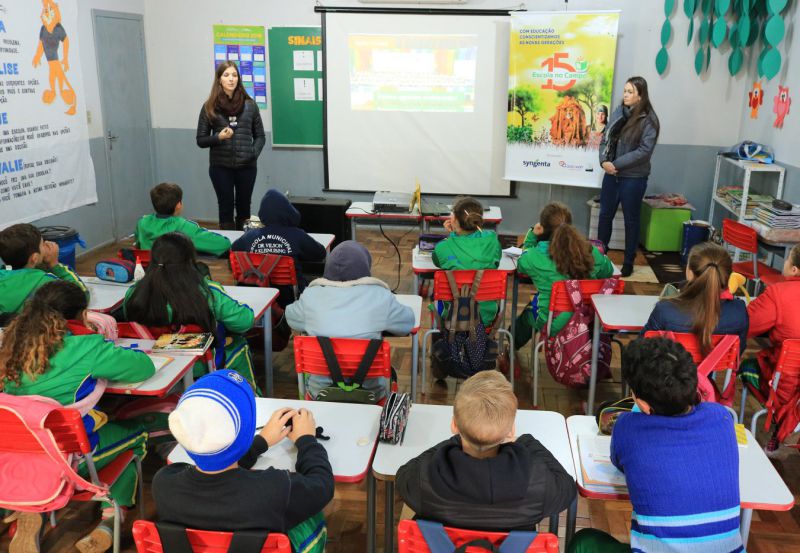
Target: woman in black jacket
(230,124)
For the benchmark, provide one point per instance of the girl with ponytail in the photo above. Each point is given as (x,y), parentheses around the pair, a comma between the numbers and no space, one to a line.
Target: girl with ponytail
(174,293)
(704,306)
(49,350)
(555,250)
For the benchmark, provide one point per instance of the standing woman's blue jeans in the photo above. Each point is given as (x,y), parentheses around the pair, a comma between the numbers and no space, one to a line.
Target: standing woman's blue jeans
(629,191)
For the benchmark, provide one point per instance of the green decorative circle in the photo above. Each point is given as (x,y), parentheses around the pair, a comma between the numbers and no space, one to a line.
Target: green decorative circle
(666,32)
(704,31)
(721,7)
(719,32)
(699,60)
(669,6)
(662,58)
(690,34)
(771,62)
(776,6)
(735,61)
(689,7)
(774,30)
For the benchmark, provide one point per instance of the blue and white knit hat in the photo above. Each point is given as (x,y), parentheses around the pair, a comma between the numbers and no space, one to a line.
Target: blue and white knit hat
(215,420)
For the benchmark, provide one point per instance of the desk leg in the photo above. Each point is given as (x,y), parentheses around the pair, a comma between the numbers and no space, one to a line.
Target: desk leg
(388,517)
(744,525)
(188,378)
(572,516)
(593,376)
(414,364)
(371,514)
(514,300)
(415,290)
(352,228)
(266,322)
(553,527)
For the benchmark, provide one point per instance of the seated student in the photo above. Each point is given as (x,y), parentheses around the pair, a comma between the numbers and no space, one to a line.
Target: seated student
(49,350)
(775,311)
(167,199)
(469,246)
(680,460)
(555,250)
(33,263)
(215,422)
(281,235)
(704,306)
(174,293)
(486,477)
(349,303)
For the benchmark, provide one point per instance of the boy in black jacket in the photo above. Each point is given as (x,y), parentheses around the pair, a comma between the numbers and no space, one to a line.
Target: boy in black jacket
(485,478)
(215,422)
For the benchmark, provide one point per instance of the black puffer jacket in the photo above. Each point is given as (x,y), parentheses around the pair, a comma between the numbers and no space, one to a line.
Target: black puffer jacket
(243,148)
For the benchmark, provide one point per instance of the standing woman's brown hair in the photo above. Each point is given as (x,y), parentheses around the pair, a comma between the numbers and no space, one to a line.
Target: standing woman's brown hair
(469,214)
(568,249)
(711,268)
(632,131)
(218,99)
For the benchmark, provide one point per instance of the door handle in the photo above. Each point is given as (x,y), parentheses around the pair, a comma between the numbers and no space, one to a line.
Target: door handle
(111,138)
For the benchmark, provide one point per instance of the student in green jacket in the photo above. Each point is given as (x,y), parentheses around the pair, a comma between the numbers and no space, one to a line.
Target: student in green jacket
(555,250)
(173,293)
(49,350)
(167,199)
(33,263)
(469,246)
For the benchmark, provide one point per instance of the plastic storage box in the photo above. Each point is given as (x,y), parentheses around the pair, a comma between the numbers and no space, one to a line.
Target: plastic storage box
(661,229)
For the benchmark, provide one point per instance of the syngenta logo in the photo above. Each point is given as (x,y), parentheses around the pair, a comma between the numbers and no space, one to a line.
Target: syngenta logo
(536,163)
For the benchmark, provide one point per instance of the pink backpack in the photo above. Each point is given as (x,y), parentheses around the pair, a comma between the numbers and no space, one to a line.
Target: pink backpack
(36,475)
(569,352)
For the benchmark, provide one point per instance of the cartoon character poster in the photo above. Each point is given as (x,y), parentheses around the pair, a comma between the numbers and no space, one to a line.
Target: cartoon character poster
(45,165)
(561,69)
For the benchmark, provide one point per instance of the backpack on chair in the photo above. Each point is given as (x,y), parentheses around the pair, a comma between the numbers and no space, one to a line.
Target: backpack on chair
(569,352)
(463,346)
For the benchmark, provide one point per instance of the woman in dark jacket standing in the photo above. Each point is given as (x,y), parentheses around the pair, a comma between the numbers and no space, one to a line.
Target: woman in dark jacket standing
(625,152)
(230,124)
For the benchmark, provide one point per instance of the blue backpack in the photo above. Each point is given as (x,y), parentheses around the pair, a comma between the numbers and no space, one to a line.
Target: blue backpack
(439,542)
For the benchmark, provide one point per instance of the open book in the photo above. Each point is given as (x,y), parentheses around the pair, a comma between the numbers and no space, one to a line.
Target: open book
(599,474)
(196,343)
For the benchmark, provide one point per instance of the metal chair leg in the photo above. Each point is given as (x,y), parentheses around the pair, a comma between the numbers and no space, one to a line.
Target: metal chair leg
(754,422)
(535,364)
(742,404)
(139,487)
(117,525)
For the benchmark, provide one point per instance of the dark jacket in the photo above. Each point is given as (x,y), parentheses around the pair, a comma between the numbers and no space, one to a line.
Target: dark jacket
(630,159)
(514,490)
(733,319)
(243,148)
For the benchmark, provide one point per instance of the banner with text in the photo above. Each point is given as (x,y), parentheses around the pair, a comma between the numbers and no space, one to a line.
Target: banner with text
(45,167)
(561,68)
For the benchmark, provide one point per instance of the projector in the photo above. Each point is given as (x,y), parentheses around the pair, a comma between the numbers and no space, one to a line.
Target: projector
(391,202)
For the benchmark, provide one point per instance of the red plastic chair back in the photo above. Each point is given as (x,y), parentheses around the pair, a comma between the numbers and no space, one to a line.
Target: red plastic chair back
(283,274)
(740,236)
(411,540)
(145,535)
(308,357)
(143,255)
(692,345)
(560,302)
(492,286)
(69,431)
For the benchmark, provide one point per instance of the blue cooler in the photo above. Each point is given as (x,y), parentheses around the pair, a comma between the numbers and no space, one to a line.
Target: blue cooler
(694,232)
(66,238)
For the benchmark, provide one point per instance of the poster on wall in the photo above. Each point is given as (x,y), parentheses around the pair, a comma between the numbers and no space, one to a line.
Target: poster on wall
(45,167)
(244,45)
(561,69)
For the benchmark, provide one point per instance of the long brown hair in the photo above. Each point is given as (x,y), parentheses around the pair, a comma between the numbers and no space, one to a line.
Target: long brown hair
(711,266)
(216,89)
(469,213)
(37,333)
(632,131)
(568,249)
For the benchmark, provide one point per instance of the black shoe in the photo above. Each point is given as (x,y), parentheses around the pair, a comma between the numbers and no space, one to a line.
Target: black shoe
(627,270)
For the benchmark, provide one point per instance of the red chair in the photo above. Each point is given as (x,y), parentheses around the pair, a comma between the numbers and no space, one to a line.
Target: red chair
(784,387)
(411,540)
(147,540)
(69,433)
(254,268)
(723,357)
(309,359)
(143,255)
(560,303)
(492,287)
(745,238)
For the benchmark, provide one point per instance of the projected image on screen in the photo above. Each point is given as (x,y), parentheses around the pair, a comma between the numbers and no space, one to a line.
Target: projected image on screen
(434,73)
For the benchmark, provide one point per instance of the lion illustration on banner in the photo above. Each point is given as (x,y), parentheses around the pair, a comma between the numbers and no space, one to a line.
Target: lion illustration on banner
(568,126)
(50,35)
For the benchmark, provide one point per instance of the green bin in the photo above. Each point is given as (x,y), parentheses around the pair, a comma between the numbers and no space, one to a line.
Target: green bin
(661,229)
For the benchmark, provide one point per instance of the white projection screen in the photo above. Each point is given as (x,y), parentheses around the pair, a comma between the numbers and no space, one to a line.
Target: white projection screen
(415,97)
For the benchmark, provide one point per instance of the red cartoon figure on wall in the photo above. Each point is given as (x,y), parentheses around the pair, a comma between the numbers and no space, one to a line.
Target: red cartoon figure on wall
(50,35)
(781,106)
(756,98)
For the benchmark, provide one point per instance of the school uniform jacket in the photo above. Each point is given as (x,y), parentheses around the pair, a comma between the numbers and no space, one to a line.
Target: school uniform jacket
(154,225)
(18,285)
(775,311)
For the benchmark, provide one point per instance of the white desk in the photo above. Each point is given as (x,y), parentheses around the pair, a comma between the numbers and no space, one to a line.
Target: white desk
(260,300)
(615,313)
(233,235)
(163,380)
(415,303)
(760,485)
(105,296)
(353,430)
(429,425)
